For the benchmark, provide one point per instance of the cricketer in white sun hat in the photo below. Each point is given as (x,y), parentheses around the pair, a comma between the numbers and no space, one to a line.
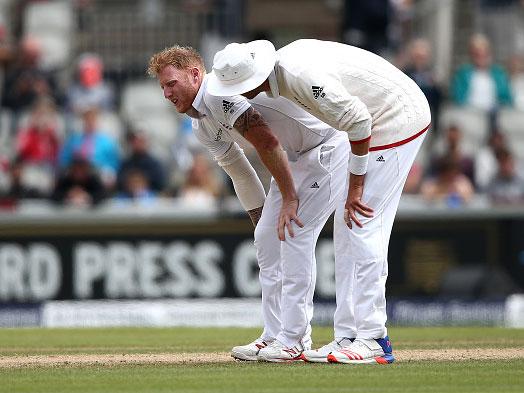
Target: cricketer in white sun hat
(239,68)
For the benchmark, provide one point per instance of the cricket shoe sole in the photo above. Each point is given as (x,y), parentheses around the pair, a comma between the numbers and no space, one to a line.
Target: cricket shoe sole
(352,358)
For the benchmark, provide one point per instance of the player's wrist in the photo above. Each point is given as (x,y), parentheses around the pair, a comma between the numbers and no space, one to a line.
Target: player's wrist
(358,164)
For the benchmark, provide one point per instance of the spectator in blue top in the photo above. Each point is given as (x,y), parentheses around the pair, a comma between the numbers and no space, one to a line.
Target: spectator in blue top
(93,145)
(136,189)
(481,83)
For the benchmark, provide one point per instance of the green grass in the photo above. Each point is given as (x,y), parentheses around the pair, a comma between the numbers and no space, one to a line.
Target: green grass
(155,340)
(418,377)
(424,376)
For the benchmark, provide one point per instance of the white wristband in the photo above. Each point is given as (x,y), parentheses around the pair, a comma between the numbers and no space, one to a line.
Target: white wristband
(358,165)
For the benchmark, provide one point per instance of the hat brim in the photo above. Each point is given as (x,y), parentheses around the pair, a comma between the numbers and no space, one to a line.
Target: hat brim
(265,62)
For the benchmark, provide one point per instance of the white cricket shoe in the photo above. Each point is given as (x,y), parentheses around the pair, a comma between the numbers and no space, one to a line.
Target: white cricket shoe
(277,352)
(320,355)
(250,351)
(364,351)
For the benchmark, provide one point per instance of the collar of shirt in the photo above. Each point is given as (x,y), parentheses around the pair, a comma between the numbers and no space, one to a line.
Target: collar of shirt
(273,85)
(198,103)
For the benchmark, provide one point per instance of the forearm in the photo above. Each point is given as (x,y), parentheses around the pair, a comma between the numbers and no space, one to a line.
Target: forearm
(356,180)
(360,149)
(358,162)
(248,186)
(355,207)
(358,165)
(276,162)
(252,126)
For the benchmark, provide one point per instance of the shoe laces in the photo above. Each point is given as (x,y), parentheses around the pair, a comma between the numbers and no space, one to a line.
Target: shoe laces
(279,346)
(264,342)
(345,341)
(330,346)
(359,346)
(335,345)
(356,345)
(276,344)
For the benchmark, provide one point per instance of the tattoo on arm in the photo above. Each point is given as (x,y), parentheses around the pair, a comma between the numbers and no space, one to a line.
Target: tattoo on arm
(255,214)
(249,119)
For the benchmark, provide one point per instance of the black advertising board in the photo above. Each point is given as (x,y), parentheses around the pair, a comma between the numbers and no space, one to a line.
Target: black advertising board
(217,259)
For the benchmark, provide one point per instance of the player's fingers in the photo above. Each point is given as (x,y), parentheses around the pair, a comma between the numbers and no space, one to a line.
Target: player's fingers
(365,213)
(281,230)
(289,225)
(353,217)
(347,219)
(365,207)
(298,222)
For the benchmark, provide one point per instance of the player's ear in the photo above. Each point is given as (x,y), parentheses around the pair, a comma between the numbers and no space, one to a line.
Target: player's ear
(195,74)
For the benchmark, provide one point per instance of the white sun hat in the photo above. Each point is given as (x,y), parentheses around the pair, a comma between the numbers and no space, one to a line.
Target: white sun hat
(239,68)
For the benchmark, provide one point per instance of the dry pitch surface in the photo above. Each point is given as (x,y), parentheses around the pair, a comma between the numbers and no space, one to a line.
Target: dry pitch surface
(21,348)
(223,357)
(144,360)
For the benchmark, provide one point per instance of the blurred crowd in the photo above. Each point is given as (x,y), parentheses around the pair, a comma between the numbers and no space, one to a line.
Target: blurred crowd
(476,144)
(453,172)
(56,148)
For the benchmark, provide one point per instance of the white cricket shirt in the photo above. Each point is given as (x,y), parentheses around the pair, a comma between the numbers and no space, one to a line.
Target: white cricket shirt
(296,130)
(343,85)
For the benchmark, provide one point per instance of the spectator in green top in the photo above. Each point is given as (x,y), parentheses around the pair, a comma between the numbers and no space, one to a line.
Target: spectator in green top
(481,83)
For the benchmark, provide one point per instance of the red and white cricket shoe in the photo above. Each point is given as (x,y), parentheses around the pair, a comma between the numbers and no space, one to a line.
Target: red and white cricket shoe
(363,351)
(251,350)
(277,352)
(320,355)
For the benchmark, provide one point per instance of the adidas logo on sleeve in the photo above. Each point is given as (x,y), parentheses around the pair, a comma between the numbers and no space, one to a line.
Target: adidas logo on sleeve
(380,159)
(226,105)
(318,92)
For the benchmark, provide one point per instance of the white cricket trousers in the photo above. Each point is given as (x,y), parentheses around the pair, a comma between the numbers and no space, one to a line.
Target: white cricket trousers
(288,268)
(361,264)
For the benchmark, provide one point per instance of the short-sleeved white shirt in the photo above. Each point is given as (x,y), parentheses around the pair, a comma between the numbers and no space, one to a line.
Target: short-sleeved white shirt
(296,130)
(214,128)
(343,85)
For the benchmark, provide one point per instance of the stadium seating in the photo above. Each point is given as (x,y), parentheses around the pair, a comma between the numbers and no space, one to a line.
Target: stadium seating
(52,22)
(38,177)
(511,123)
(473,123)
(143,107)
(139,98)
(5,133)
(109,123)
(61,129)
